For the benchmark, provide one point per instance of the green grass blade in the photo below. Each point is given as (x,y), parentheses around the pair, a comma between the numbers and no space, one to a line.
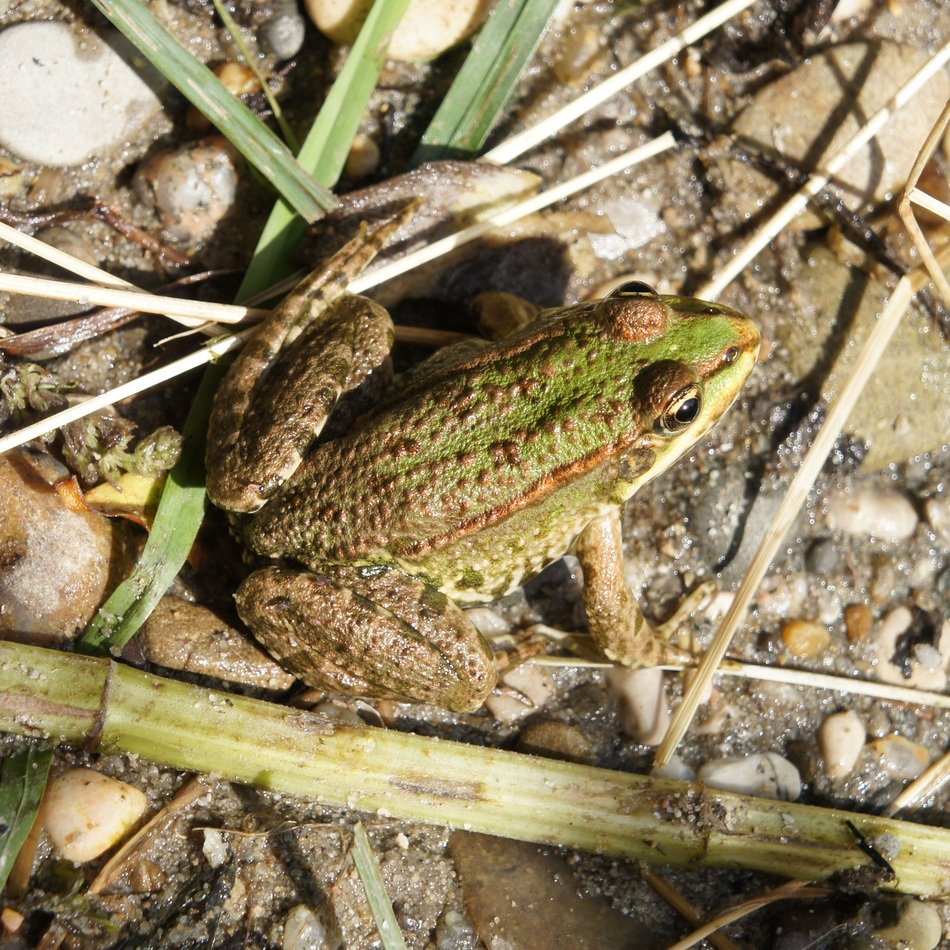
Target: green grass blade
(235,31)
(328,143)
(173,533)
(21,791)
(261,147)
(486,80)
(368,869)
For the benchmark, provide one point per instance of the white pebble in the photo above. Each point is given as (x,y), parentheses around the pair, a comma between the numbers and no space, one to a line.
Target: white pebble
(644,708)
(768,775)
(283,34)
(532,682)
(883,513)
(937,510)
(676,769)
(918,927)
(425,30)
(192,188)
(68,96)
(215,847)
(85,813)
(304,930)
(923,673)
(841,739)
(900,757)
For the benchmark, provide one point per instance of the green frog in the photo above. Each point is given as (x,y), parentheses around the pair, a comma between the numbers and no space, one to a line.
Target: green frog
(469,475)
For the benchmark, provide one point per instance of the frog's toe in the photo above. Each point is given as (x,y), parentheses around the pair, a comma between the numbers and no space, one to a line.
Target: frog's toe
(354,632)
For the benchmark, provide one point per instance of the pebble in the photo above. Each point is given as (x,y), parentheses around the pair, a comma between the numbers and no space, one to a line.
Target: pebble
(521,896)
(937,513)
(644,706)
(425,31)
(901,758)
(841,739)
(882,513)
(56,557)
(918,926)
(283,34)
(192,188)
(675,769)
(823,557)
(923,675)
(857,621)
(806,638)
(12,179)
(768,774)
(556,740)
(363,158)
(304,929)
(85,813)
(838,89)
(68,95)
(183,636)
(533,682)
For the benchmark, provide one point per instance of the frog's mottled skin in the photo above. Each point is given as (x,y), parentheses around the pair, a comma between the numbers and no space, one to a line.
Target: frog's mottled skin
(483,466)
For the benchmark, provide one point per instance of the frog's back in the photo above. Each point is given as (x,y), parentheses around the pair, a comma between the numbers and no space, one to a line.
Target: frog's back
(458,453)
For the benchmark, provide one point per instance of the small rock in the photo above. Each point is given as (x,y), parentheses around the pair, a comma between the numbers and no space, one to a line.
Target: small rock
(363,158)
(901,669)
(882,513)
(283,34)
(937,512)
(806,638)
(55,558)
(304,929)
(520,897)
(768,775)
(532,682)
(12,179)
(644,707)
(425,30)
(823,557)
(183,636)
(69,96)
(455,932)
(857,620)
(556,740)
(900,757)
(579,50)
(835,91)
(675,769)
(841,738)
(192,188)
(919,926)
(85,813)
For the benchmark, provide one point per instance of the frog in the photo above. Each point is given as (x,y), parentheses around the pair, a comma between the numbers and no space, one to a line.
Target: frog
(465,477)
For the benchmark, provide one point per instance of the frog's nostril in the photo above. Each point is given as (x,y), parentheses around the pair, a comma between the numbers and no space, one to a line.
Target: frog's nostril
(731,355)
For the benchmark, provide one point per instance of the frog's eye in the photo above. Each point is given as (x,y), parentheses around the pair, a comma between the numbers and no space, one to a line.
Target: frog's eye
(634,288)
(681,410)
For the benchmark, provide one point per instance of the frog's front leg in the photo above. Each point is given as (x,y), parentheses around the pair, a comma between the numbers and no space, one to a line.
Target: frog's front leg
(614,618)
(371,631)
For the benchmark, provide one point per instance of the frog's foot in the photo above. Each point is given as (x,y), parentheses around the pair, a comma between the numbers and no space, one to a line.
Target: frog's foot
(616,622)
(371,631)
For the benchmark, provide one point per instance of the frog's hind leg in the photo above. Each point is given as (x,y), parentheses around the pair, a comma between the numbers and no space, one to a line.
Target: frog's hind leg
(277,394)
(616,622)
(369,631)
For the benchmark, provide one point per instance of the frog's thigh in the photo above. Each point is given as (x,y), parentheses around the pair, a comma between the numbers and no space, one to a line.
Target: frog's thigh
(615,620)
(376,632)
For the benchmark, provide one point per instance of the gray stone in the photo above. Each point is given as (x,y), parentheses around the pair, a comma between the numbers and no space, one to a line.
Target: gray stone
(70,97)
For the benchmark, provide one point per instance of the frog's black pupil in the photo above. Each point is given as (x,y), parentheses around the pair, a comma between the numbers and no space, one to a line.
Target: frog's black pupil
(687,410)
(634,288)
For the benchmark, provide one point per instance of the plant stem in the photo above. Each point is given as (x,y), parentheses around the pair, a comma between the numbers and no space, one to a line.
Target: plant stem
(116,709)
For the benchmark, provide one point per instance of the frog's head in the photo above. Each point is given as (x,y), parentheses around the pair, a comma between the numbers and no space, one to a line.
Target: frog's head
(693,359)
